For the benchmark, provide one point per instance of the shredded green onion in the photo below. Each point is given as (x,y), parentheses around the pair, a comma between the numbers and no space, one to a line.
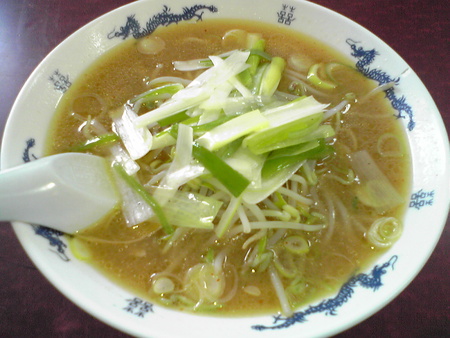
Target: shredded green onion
(97,141)
(258,50)
(314,78)
(272,76)
(233,129)
(155,93)
(181,116)
(384,232)
(227,217)
(374,189)
(230,178)
(393,141)
(296,245)
(148,198)
(79,249)
(277,163)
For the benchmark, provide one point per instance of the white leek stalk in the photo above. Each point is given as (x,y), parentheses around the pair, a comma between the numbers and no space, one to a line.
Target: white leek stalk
(200,89)
(180,170)
(233,129)
(137,141)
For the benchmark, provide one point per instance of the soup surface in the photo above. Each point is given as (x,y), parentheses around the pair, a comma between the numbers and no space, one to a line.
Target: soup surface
(241,270)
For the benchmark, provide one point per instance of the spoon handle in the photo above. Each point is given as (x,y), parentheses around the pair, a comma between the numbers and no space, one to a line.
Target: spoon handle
(66,192)
(21,190)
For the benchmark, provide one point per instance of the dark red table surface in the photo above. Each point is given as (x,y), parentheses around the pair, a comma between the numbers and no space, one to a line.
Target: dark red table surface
(29,29)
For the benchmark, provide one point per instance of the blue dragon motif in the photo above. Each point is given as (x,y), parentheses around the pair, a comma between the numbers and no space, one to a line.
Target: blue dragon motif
(165,18)
(330,306)
(27,155)
(365,58)
(53,236)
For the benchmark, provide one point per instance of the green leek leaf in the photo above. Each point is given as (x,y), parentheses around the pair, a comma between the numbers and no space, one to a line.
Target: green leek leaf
(278,163)
(282,136)
(148,198)
(101,140)
(230,178)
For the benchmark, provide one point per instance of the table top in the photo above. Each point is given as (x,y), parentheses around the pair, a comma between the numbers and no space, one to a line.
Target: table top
(30,29)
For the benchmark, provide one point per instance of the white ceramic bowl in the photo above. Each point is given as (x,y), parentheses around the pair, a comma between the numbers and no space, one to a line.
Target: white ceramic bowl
(363,295)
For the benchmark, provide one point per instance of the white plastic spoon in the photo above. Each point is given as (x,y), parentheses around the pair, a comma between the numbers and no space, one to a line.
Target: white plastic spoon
(67,192)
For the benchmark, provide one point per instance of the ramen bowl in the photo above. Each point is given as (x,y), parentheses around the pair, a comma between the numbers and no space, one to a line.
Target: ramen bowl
(362,295)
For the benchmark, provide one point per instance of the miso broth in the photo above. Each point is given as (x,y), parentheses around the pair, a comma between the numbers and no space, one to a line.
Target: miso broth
(167,268)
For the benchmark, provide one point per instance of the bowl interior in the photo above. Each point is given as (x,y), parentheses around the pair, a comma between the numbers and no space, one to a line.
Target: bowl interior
(26,132)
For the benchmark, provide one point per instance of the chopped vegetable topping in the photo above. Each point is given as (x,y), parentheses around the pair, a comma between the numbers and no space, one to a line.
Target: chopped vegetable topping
(228,152)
